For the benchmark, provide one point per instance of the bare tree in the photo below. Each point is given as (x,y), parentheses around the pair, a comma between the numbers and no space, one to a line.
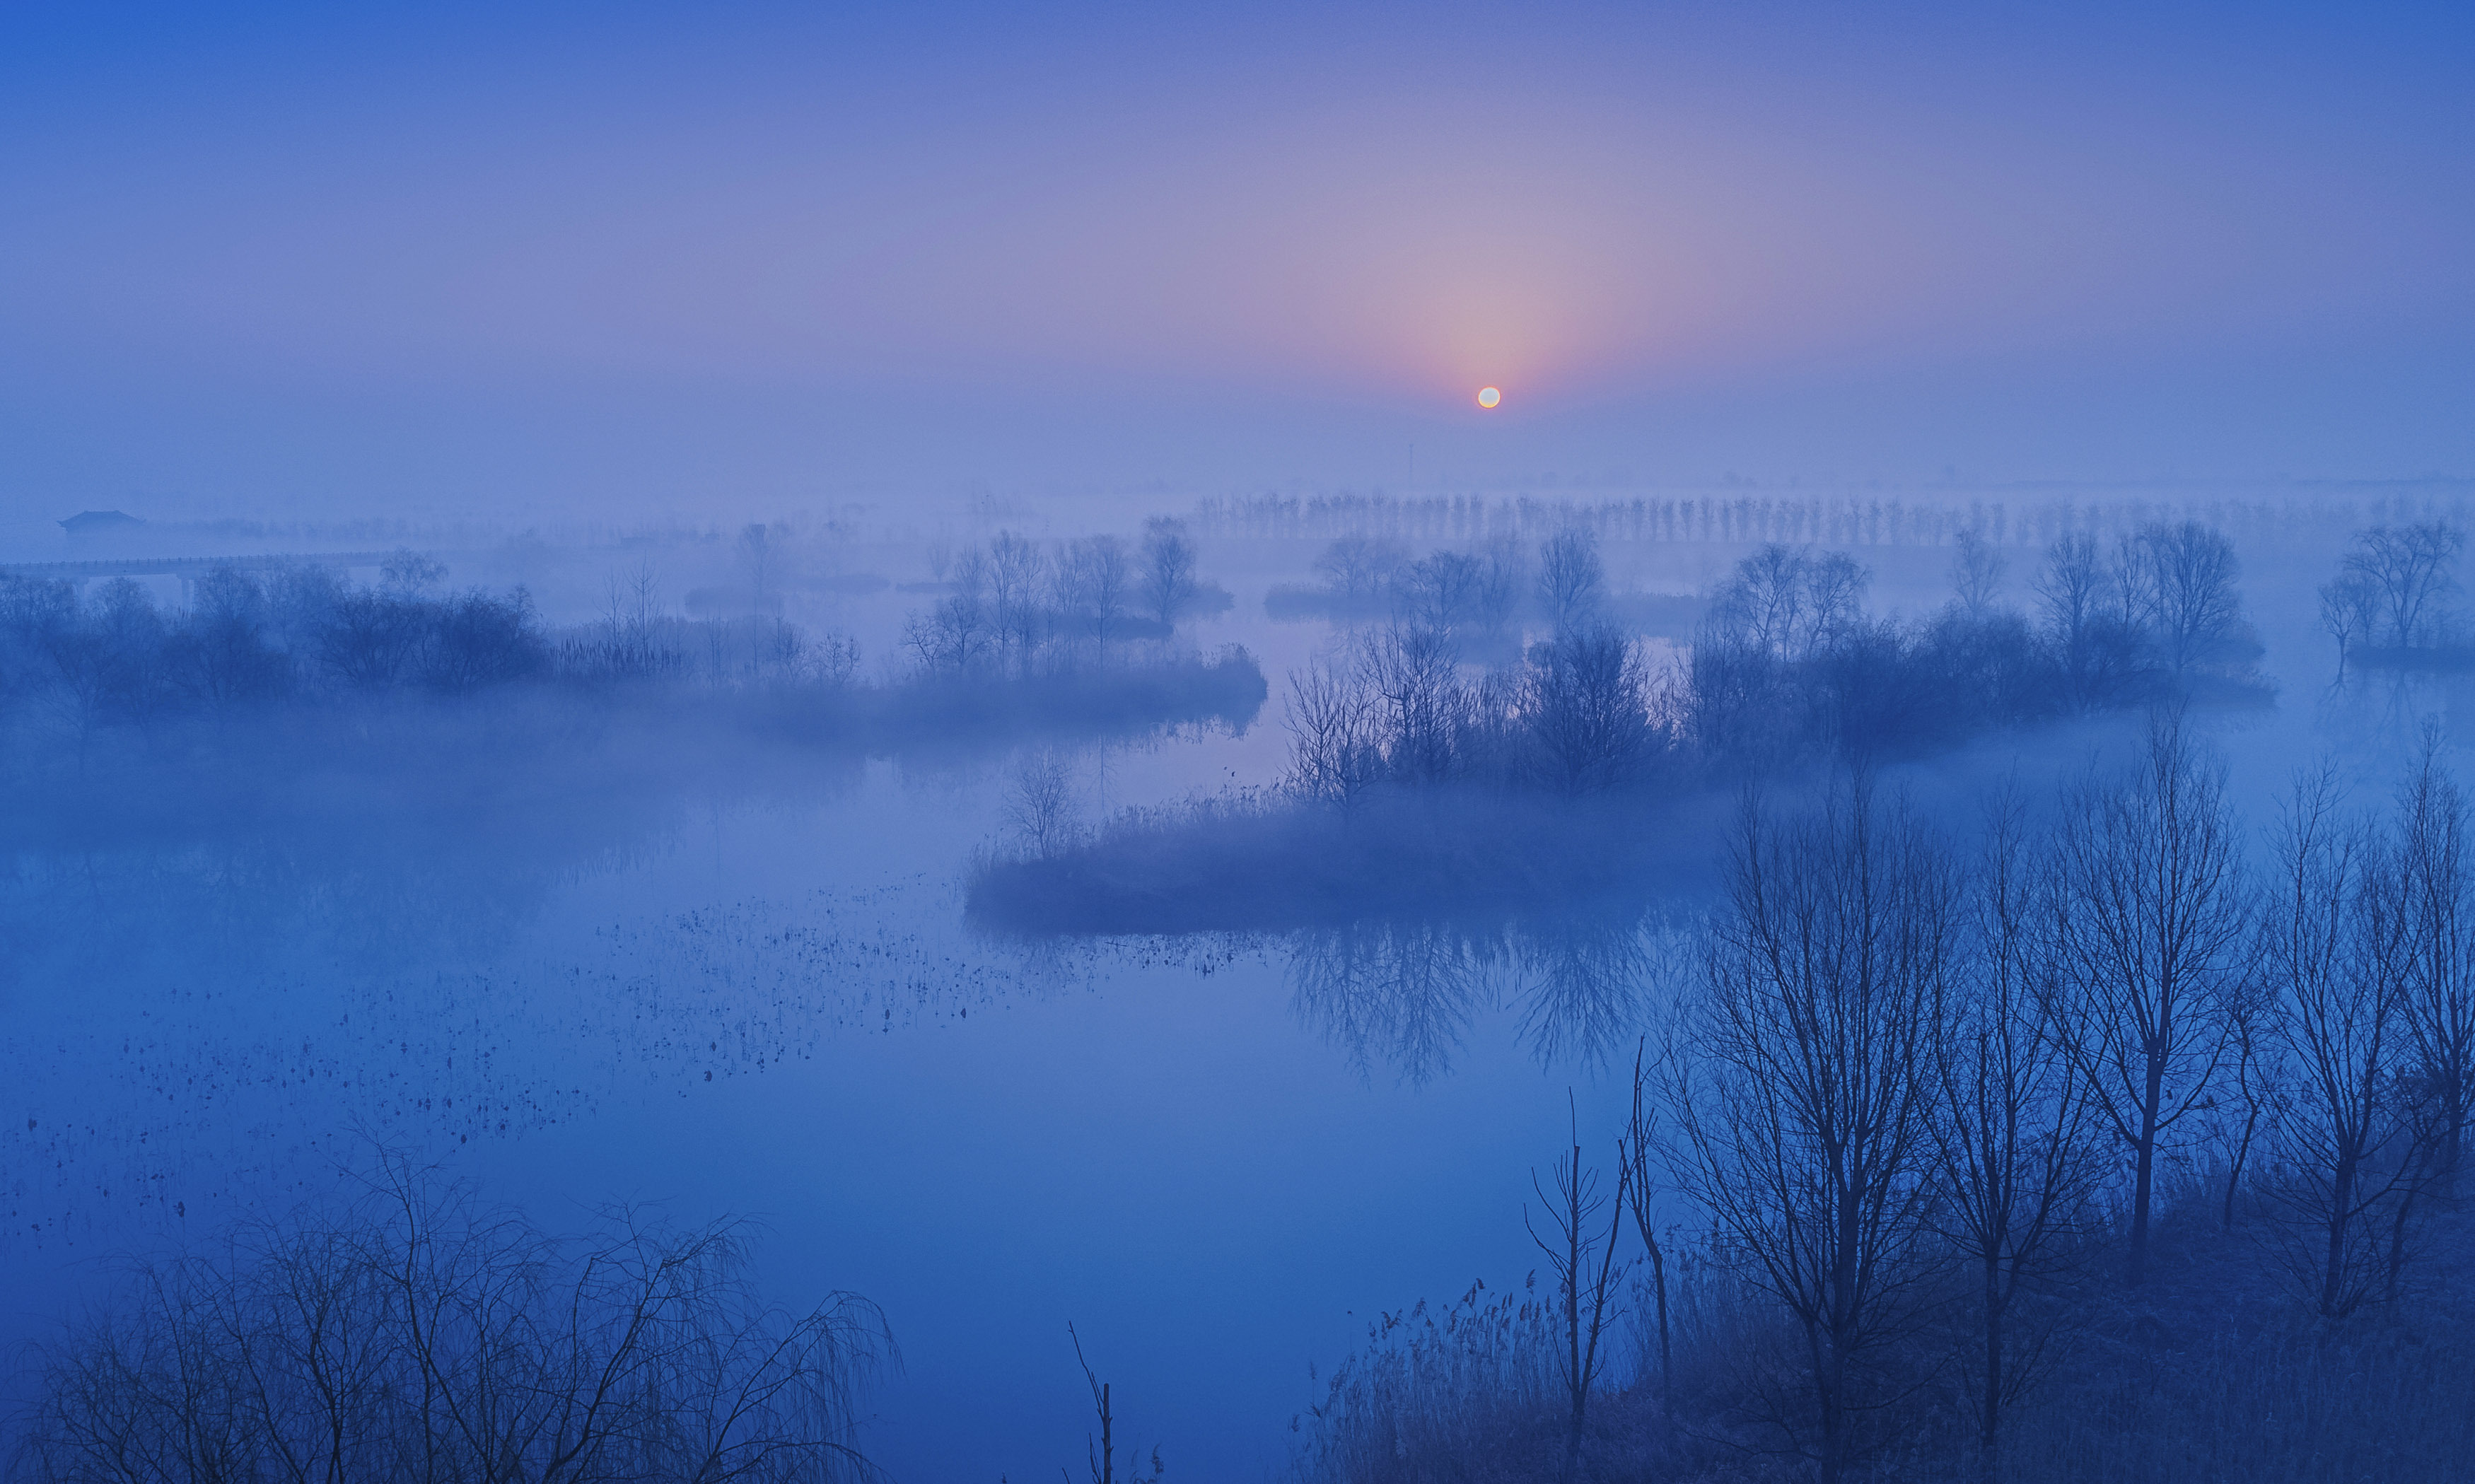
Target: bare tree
(1039,804)
(2081,603)
(1016,574)
(1587,1277)
(1498,591)
(2151,917)
(220,652)
(1801,1087)
(1789,604)
(2441,997)
(1571,585)
(2394,586)
(1094,584)
(2337,934)
(2012,1120)
(2350,611)
(1358,569)
(957,634)
(1167,580)
(1421,705)
(1975,573)
(2179,585)
(1442,590)
(1103,1449)
(1642,1148)
(1584,704)
(1333,751)
(758,549)
(630,643)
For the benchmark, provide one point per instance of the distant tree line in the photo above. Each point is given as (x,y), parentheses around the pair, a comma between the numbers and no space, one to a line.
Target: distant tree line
(112,656)
(1787,667)
(1746,517)
(81,664)
(1921,1108)
(1015,607)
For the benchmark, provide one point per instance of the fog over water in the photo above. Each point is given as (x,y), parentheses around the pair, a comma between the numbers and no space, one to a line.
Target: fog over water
(576,950)
(710,715)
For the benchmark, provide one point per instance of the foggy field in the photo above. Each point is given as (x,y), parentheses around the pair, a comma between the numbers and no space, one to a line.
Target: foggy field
(1302,744)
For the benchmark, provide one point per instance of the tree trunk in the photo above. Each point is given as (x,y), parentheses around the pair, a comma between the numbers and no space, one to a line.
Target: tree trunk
(2397,1243)
(2143,1186)
(2242,1153)
(2332,1276)
(1989,1436)
(1666,1361)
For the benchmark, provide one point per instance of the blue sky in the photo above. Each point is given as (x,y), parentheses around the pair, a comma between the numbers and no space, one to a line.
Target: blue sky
(664,257)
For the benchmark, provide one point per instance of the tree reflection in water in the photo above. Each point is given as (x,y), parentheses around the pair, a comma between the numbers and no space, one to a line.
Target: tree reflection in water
(1404,994)
(2377,713)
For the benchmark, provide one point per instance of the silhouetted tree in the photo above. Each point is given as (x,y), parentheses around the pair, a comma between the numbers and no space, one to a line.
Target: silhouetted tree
(2437,881)
(1587,1278)
(220,651)
(1585,704)
(2337,934)
(1334,751)
(2395,588)
(1422,706)
(1440,592)
(2095,644)
(1360,570)
(2179,585)
(2011,1118)
(1975,573)
(961,632)
(1095,585)
(1168,581)
(1802,1085)
(1571,585)
(2151,915)
(1016,575)
(1643,1151)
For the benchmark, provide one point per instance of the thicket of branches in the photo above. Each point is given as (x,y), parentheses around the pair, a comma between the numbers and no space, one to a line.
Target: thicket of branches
(1900,1161)
(415,1335)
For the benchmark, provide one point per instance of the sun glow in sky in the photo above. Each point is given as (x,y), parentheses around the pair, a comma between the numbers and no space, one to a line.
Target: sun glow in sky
(645,246)
(1488,397)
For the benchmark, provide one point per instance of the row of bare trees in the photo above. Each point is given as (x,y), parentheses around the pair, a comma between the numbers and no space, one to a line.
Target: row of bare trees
(1015,604)
(1907,1078)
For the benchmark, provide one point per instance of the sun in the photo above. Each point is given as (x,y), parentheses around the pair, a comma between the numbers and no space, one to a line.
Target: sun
(1488,397)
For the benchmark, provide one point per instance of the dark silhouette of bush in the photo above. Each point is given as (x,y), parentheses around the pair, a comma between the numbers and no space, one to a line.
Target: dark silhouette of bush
(414,1334)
